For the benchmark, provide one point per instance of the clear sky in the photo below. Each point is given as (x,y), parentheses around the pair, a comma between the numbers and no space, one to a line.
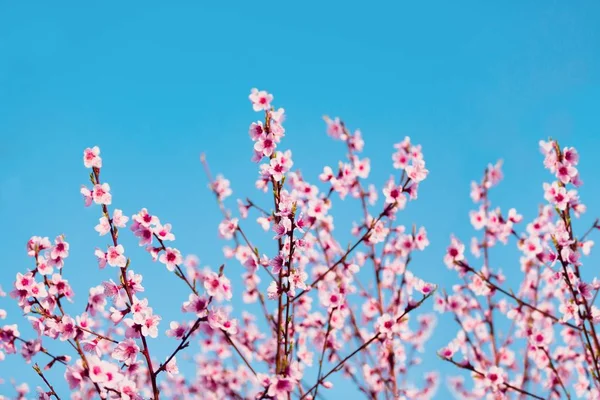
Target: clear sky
(154,85)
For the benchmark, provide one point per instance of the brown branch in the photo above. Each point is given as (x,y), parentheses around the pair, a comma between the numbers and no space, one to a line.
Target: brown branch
(41,374)
(125,281)
(184,343)
(556,372)
(469,367)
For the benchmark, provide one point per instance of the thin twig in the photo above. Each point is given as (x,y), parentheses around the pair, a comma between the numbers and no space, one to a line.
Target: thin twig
(41,374)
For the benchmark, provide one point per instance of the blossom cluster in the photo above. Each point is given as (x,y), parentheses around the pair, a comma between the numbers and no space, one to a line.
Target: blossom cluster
(309,288)
(538,341)
(315,307)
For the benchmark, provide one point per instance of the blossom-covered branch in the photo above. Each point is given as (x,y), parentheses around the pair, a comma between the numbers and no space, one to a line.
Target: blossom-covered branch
(554,299)
(306,293)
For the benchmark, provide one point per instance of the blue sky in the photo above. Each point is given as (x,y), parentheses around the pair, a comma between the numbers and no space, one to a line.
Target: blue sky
(154,85)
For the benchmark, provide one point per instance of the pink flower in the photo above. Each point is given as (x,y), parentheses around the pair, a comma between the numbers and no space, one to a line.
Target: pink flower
(420,239)
(280,164)
(251,263)
(119,220)
(101,194)
(228,227)
(282,228)
(221,187)
(217,286)
(140,306)
(96,300)
(44,267)
(586,247)
(91,157)
(393,194)
(171,258)
(297,279)
(101,256)
(67,328)
(570,155)
(281,386)
(145,234)
(115,257)
(37,244)
(60,249)
(196,304)
(386,325)
(569,311)
(103,372)
(479,286)
(60,286)
(424,287)
(264,222)
(531,247)
(277,116)
(261,100)
(570,256)
(149,323)
(24,282)
(514,217)
(144,219)
(401,157)
(265,145)
(277,263)
(38,290)
(494,377)
(302,223)
(378,233)
(326,175)
(356,141)
(332,299)
(541,338)
(494,174)
(74,375)
(126,352)
(163,232)
(256,130)
(478,219)
(176,330)
(454,253)
(171,367)
(335,128)
(135,281)
(417,171)
(565,172)
(448,351)
(103,227)
(362,167)
(476,192)
(87,195)
(556,195)
(129,390)
(218,319)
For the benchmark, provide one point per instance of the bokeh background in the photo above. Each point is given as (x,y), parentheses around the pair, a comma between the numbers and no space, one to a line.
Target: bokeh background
(154,85)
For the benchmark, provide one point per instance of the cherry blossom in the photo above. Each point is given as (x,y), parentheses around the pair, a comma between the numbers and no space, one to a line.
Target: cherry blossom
(171,258)
(115,256)
(217,286)
(101,194)
(126,351)
(91,157)
(319,300)
(228,227)
(260,99)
